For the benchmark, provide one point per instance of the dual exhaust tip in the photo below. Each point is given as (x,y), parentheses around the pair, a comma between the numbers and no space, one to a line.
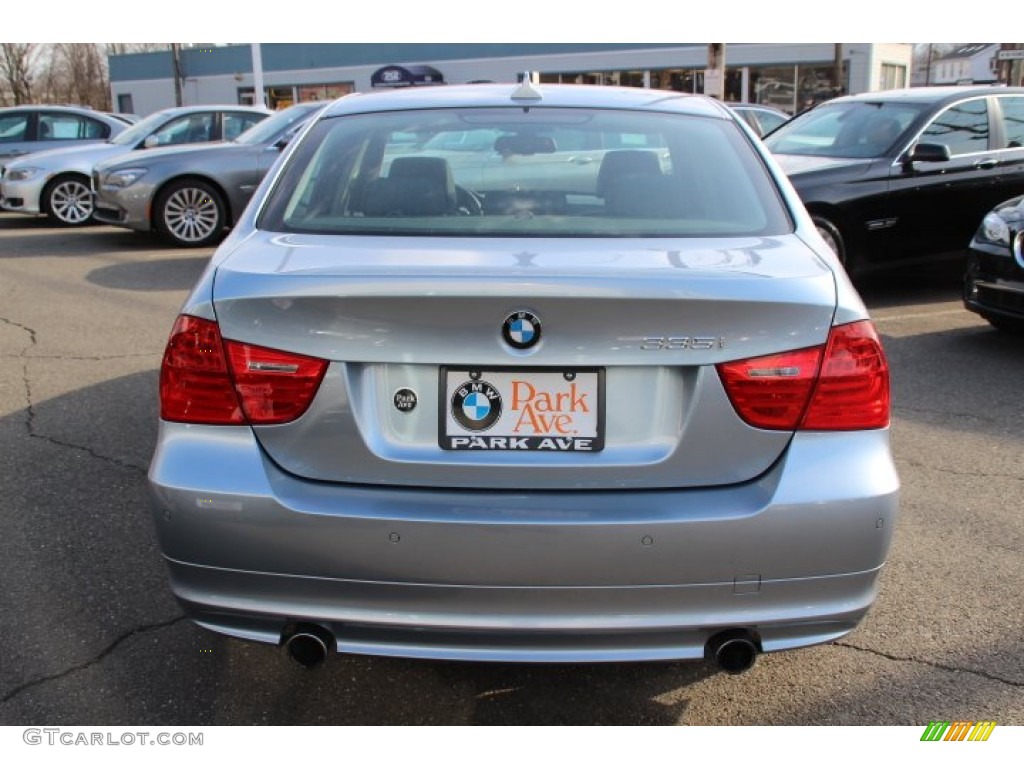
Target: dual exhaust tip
(733,651)
(307,644)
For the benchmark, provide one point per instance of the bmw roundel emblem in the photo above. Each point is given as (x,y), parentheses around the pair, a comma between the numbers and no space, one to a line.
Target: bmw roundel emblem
(521,330)
(476,405)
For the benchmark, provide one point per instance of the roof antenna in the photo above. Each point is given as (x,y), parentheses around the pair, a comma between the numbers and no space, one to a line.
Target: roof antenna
(526,91)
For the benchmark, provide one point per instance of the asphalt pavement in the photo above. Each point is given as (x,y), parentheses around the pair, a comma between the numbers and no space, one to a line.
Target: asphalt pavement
(89,633)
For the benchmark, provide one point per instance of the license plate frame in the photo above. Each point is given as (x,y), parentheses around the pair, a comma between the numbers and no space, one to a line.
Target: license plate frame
(539,409)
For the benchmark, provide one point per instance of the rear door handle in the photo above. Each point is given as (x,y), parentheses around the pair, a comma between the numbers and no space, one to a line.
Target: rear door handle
(985,164)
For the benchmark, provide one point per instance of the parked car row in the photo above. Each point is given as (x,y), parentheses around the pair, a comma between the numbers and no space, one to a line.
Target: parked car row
(889,178)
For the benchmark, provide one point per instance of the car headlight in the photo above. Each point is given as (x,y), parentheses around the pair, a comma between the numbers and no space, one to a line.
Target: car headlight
(21,174)
(123,178)
(994,230)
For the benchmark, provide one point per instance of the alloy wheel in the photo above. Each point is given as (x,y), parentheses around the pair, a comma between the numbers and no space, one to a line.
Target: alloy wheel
(70,202)
(191,215)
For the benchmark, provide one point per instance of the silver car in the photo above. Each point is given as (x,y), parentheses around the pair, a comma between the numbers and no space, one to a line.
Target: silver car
(413,414)
(57,182)
(189,195)
(37,127)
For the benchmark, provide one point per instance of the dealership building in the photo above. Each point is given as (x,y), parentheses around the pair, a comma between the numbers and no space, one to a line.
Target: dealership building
(788,76)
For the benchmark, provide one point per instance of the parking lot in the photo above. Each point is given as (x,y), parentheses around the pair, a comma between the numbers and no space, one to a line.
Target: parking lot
(90,633)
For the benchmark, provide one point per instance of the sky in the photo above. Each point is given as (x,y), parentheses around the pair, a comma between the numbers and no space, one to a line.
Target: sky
(652,21)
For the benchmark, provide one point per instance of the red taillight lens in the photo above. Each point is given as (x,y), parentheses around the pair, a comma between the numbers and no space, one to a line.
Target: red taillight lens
(843,385)
(771,392)
(853,387)
(194,383)
(200,384)
(274,386)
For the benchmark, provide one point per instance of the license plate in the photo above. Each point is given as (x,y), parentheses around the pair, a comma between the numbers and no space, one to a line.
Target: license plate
(522,409)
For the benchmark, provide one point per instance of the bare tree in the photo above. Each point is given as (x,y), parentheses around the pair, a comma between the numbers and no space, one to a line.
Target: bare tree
(76,73)
(16,60)
(119,49)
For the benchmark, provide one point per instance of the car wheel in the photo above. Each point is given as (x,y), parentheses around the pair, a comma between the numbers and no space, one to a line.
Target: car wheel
(67,200)
(190,213)
(830,234)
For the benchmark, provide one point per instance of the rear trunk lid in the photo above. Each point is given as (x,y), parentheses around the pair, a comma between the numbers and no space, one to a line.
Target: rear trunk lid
(620,390)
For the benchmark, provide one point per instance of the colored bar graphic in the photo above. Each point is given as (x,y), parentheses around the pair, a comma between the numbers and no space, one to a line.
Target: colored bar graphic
(982,730)
(959,730)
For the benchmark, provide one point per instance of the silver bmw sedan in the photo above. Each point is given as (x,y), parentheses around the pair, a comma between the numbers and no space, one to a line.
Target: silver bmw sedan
(525,373)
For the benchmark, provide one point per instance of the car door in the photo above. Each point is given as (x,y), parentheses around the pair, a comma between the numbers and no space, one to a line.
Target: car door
(193,128)
(233,124)
(15,134)
(63,129)
(1009,123)
(937,205)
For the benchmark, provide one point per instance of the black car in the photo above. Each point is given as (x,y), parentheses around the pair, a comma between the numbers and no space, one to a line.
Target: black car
(902,176)
(994,281)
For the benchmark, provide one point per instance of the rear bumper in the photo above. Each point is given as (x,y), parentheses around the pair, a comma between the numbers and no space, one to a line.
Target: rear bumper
(793,557)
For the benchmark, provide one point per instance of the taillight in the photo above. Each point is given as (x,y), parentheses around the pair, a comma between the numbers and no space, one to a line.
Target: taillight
(771,392)
(200,384)
(853,386)
(274,386)
(842,385)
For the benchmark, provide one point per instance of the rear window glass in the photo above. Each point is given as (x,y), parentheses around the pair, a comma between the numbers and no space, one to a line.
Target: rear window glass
(514,172)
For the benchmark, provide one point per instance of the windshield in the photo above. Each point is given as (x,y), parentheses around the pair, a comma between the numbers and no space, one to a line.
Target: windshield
(846,129)
(543,172)
(140,130)
(270,129)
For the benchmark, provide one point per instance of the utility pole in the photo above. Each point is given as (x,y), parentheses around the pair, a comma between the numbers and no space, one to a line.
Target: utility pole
(259,93)
(176,65)
(837,69)
(714,75)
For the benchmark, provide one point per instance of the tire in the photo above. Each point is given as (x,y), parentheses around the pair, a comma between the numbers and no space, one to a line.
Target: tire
(190,213)
(67,201)
(833,238)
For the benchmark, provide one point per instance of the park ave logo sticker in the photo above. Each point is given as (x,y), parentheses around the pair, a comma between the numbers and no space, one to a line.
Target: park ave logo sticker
(510,410)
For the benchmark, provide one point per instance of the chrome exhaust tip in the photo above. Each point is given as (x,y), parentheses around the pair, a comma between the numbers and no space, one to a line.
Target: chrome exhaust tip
(307,644)
(733,651)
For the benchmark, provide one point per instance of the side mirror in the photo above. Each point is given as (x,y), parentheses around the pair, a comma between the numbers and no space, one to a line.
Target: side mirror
(151,141)
(929,153)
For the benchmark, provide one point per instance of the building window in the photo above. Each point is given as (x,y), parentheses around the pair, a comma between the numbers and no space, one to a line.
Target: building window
(281,96)
(124,103)
(892,76)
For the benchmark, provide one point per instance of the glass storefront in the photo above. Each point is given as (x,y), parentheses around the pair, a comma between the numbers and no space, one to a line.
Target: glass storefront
(789,87)
(281,96)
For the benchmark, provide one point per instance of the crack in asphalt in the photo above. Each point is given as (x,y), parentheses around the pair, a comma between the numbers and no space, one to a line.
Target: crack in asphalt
(933,664)
(19,689)
(30,411)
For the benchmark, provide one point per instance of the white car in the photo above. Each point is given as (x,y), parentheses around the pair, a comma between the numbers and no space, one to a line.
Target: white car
(57,182)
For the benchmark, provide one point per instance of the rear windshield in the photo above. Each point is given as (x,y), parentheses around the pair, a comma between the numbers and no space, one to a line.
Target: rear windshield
(520,173)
